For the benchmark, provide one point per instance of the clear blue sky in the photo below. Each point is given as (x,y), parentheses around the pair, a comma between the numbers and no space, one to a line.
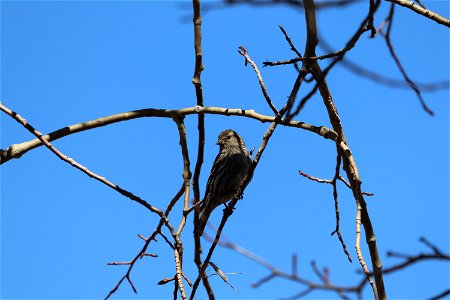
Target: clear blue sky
(69,62)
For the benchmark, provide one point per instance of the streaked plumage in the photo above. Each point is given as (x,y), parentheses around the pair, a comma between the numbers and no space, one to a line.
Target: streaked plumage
(229,169)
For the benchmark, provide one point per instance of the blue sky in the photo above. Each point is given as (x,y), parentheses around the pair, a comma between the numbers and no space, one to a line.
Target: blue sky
(68,62)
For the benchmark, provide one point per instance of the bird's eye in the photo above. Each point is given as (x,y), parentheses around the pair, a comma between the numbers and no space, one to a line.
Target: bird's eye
(229,137)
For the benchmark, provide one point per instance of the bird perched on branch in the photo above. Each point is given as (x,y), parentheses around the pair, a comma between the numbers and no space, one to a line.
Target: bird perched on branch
(229,169)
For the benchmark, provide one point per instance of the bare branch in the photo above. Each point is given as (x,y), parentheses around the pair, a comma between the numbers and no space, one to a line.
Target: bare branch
(197,21)
(348,185)
(288,39)
(381,78)
(430,245)
(319,180)
(163,218)
(324,276)
(147,242)
(275,272)
(298,59)
(422,11)
(80,167)
(229,209)
(178,249)
(186,171)
(329,181)
(387,37)
(441,295)
(242,51)
(370,25)
(17,150)
(336,202)
(349,163)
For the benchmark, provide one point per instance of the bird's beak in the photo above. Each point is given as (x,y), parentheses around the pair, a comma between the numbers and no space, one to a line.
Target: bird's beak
(219,143)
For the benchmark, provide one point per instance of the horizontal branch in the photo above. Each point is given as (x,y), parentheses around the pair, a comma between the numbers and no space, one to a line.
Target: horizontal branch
(298,59)
(17,150)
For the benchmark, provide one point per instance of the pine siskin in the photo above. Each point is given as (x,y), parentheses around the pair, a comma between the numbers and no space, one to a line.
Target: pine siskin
(229,169)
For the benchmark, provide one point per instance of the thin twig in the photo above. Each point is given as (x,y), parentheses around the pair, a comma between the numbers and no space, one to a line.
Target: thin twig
(288,39)
(148,241)
(302,103)
(338,56)
(354,39)
(336,202)
(299,59)
(387,37)
(163,217)
(329,181)
(242,51)
(275,272)
(430,245)
(349,186)
(327,285)
(381,78)
(316,179)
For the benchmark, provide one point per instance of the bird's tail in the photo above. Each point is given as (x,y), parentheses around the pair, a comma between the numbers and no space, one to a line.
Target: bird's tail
(202,220)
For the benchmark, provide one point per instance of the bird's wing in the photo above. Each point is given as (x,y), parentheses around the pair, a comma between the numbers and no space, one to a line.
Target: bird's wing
(212,176)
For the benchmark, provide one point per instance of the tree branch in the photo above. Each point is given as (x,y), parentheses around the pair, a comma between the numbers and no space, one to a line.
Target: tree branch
(387,37)
(242,51)
(80,167)
(197,21)
(147,243)
(422,11)
(229,209)
(17,150)
(350,167)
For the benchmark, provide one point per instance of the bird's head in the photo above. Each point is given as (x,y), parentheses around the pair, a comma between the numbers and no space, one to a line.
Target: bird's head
(229,139)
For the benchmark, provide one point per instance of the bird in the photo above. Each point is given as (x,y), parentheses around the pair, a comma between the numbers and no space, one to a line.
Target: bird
(227,173)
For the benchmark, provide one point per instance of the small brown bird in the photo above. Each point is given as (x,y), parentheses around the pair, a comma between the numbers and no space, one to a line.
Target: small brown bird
(229,169)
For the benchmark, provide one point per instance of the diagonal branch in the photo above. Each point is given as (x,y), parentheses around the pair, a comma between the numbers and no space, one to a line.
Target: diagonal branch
(288,39)
(381,78)
(349,165)
(146,244)
(242,51)
(387,37)
(80,167)
(422,11)
(163,216)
